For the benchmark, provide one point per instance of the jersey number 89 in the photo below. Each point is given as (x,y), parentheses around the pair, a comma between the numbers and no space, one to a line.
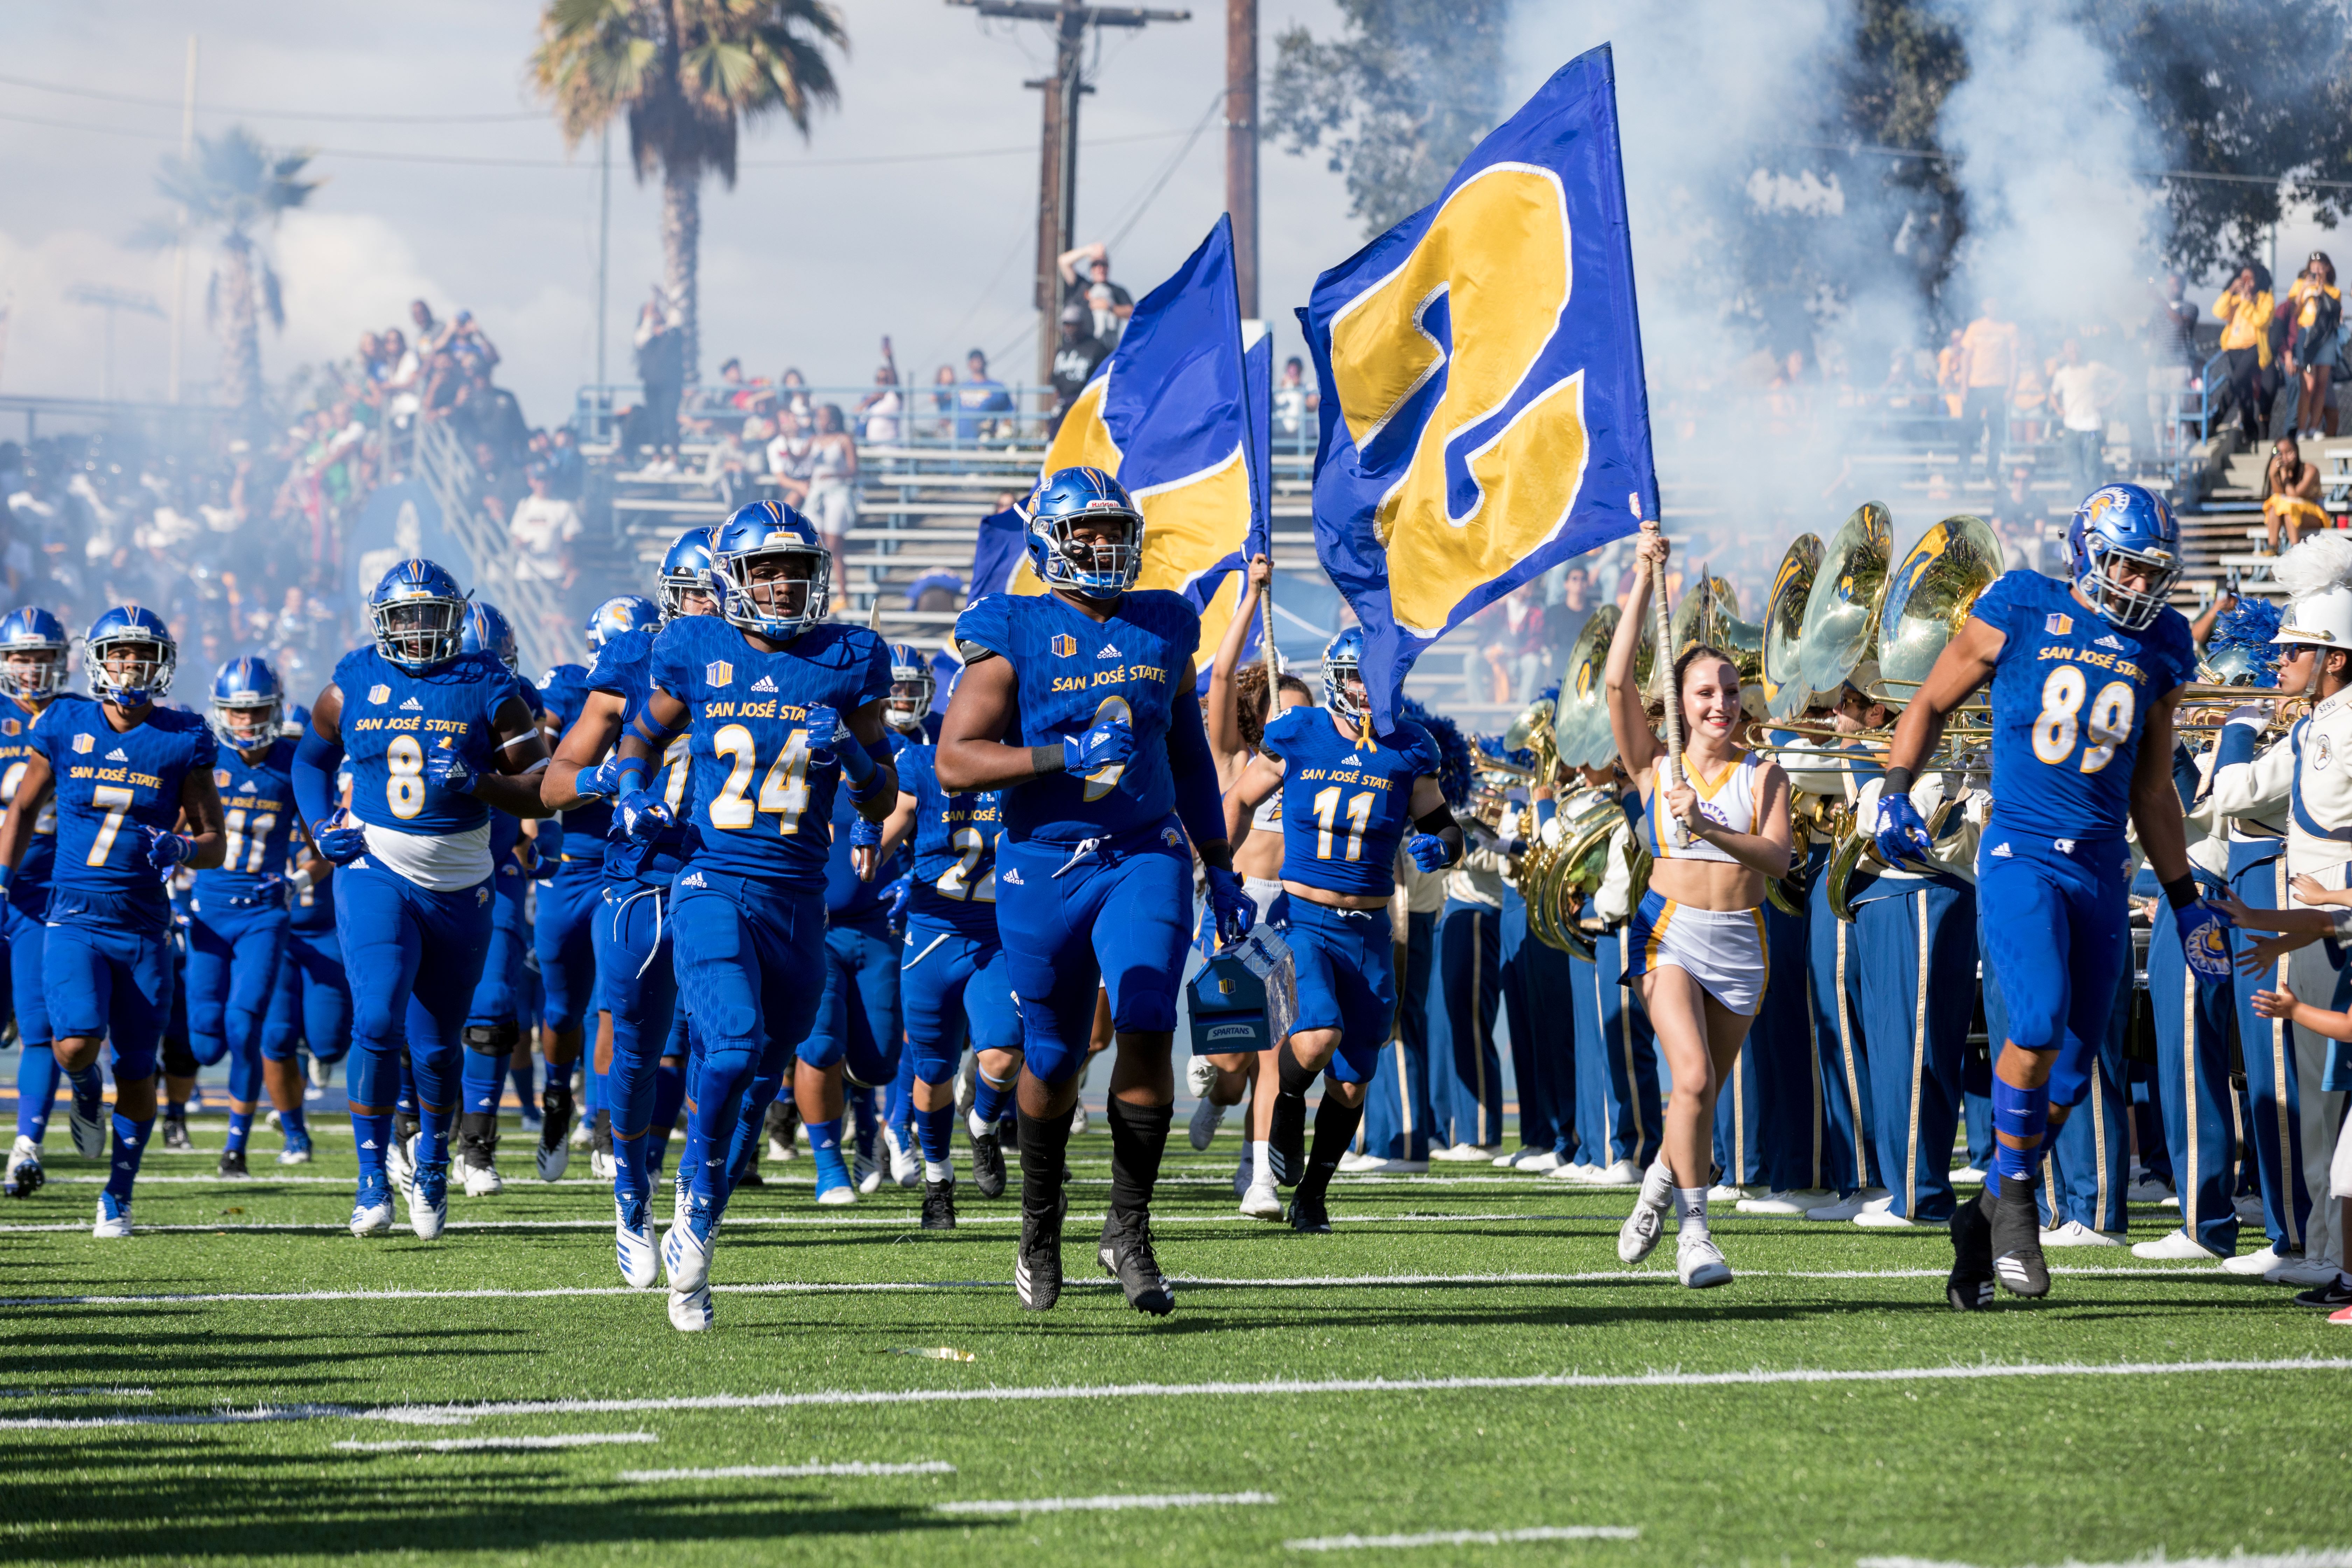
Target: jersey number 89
(2062,720)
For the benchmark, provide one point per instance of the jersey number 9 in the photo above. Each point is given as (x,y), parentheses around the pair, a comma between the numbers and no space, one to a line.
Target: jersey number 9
(2062,720)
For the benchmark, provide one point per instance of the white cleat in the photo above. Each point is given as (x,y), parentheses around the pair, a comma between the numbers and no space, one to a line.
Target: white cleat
(25,1174)
(428,1212)
(1793,1202)
(690,1312)
(1262,1202)
(1641,1230)
(1850,1205)
(113,1218)
(634,1249)
(906,1166)
(553,1163)
(483,1181)
(2074,1233)
(1967,1177)
(1700,1262)
(371,1218)
(685,1258)
(837,1197)
(599,1166)
(1465,1153)
(2175,1247)
(1079,1120)
(865,1174)
(2261,1262)
(584,1132)
(1619,1173)
(1380,1165)
(296,1156)
(400,1161)
(321,1074)
(1207,1116)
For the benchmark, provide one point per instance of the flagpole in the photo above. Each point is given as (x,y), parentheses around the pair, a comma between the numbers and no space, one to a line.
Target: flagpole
(1664,665)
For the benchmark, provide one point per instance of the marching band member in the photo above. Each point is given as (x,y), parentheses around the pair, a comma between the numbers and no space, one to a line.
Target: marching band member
(1618,1119)
(1394,1136)
(1538,988)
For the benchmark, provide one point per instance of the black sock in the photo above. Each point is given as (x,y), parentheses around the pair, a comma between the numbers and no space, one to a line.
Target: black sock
(1138,1137)
(1044,1150)
(1295,1080)
(1335,1128)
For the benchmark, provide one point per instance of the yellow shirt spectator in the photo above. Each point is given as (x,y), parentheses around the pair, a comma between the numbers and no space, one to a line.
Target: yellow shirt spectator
(2246,322)
(1989,348)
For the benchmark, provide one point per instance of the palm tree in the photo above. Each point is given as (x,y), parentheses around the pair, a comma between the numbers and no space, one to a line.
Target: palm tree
(234,184)
(688,73)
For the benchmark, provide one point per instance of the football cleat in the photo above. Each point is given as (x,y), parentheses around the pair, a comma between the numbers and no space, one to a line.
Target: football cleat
(1641,1228)
(1309,1215)
(838,1195)
(783,1128)
(2017,1262)
(690,1312)
(113,1217)
(1125,1255)
(599,1166)
(1700,1262)
(680,1193)
(400,1161)
(1285,1140)
(482,1178)
(865,1172)
(175,1128)
(554,1152)
(1261,1201)
(321,1074)
(988,1166)
(296,1150)
(939,1204)
(25,1174)
(372,1214)
(906,1165)
(1079,1120)
(1207,1116)
(633,1243)
(686,1251)
(231,1164)
(1037,1266)
(428,1200)
(1969,1288)
(89,1124)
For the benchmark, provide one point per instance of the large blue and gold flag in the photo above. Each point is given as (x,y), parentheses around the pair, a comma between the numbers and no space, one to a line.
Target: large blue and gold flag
(1172,414)
(1484,414)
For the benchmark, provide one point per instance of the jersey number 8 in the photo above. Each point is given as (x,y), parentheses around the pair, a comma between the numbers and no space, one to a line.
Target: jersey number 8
(2109,723)
(404,784)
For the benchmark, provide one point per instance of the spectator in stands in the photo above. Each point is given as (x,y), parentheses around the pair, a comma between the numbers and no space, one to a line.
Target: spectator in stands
(793,393)
(1110,310)
(1075,359)
(2290,495)
(788,457)
(943,381)
(832,502)
(983,407)
(2082,392)
(879,410)
(1951,375)
(1293,400)
(542,528)
(567,471)
(2312,353)
(2172,328)
(661,366)
(1575,607)
(2244,310)
(1989,367)
(428,330)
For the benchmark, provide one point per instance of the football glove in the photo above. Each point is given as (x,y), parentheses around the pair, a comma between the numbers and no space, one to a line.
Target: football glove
(2204,938)
(1234,911)
(864,834)
(1902,836)
(339,839)
(1429,852)
(900,894)
(1109,744)
(165,850)
(641,815)
(445,768)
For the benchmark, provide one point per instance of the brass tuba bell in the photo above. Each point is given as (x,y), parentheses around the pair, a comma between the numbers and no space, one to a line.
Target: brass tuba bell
(1786,692)
(1708,616)
(1930,595)
(1841,612)
(1581,720)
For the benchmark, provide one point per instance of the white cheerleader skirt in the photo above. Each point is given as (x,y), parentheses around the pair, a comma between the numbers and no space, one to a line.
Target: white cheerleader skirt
(1723,949)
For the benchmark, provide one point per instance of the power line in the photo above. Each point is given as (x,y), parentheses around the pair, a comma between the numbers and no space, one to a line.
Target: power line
(340,116)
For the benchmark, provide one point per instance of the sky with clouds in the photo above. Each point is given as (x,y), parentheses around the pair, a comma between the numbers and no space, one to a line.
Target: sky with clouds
(806,262)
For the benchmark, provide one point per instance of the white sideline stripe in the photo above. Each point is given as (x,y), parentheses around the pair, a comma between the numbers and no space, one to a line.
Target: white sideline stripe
(855,1287)
(786,1472)
(1757,1378)
(1102,1504)
(477,1444)
(905,1219)
(1467,1537)
(2307,1557)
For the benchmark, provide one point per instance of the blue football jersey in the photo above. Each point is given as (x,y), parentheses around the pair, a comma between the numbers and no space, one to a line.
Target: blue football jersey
(564,697)
(110,785)
(623,669)
(2069,692)
(1345,807)
(392,717)
(1069,671)
(955,847)
(257,810)
(848,896)
(761,808)
(29,888)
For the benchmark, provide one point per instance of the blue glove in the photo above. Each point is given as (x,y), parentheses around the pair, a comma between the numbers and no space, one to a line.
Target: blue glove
(2204,938)
(547,848)
(641,815)
(1229,905)
(165,850)
(339,845)
(1902,836)
(1429,851)
(1107,744)
(864,834)
(900,894)
(602,782)
(823,724)
(445,768)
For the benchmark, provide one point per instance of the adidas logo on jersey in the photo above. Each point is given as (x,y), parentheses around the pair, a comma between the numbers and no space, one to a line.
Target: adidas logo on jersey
(763,684)
(692,879)
(1351,761)
(1110,650)
(1014,877)
(117,755)
(2108,642)
(411,706)
(2001,852)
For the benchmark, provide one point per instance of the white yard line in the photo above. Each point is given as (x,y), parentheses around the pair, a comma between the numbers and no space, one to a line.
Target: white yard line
(905,1220)
(2308,1557)
(1466,1538)
(479,1445)
(1759,1377)
(789,1472)
(1102,1504)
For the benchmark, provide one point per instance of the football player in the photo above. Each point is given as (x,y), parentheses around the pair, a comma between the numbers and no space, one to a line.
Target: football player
(32,672)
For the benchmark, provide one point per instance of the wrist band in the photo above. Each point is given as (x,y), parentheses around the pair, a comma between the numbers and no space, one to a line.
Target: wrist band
(1900,780)
(2181,891)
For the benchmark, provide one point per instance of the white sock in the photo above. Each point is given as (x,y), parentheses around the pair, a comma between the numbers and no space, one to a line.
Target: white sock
(939,1170)
(1690,1211)
(979,1129)
(1261,1165)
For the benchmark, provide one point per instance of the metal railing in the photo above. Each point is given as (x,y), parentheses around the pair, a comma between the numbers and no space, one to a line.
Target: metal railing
(533,607)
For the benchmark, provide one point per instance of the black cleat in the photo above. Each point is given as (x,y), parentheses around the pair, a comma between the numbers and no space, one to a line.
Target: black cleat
(939,1204)
(1037,1266)
(2016,1242)
(988,1166)
(176,1127)
(555,1121)
(1285,1145)
(232,1164)
(1309,1214)
(783,1127)
(1969,1288)
(1126,1255)
(600,1135)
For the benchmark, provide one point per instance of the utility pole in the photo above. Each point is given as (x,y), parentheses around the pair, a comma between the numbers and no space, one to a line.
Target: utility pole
(179,251)
(112,300)
(1057,174)
(1241,145)
(604,246)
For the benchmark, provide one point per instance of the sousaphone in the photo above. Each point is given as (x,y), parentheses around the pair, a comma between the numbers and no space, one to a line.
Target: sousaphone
(1786,692)
(1841,612)
(1710,616)
(1928,598)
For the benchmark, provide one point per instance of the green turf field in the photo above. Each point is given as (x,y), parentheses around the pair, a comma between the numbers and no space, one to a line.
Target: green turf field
(1825,1407)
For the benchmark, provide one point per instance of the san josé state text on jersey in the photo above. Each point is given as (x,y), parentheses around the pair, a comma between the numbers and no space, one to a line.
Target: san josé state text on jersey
(29,887)
(955,847)
(2070,694)
(761,808)
(110,785)
(392,717)
(257,813)
(1070,670)
(1345,804)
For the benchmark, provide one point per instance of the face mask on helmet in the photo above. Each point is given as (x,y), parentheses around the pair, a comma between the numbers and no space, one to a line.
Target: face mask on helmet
(131,672)
(246,728)
(420,631)
(33,671)
(775,593)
